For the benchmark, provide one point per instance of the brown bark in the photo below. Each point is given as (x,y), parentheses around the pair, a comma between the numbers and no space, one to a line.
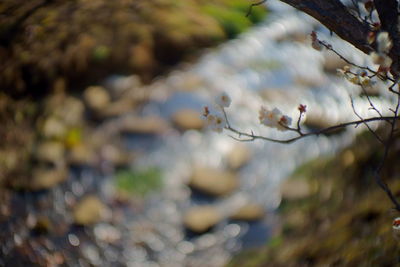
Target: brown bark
(335,16)
(388,15)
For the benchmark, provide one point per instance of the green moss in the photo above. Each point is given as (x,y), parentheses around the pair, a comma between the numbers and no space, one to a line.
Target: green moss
(138,182)
(232,16)
(101,53)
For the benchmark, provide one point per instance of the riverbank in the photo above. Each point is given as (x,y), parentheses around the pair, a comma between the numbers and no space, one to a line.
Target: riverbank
(81,42)
(53,50)
(344,218)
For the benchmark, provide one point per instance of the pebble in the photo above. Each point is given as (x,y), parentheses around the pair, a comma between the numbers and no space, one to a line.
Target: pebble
(238,156)
(249,212)
(201,218)
(50,151)
(96,97)
(143,125)
(213,181)
(90,210)
(188,119)
(295,189)
(46,178)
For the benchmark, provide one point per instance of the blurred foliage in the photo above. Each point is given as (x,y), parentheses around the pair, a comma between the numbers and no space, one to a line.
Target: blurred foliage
(84,40)
(347,221)
(16,136)
(137,182)
(230,14)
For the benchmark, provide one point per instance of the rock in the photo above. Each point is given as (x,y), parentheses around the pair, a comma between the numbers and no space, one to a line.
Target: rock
(317,122)
(96,97)
(309,81)
(332,62)
(201,218)
(249,212)
(187,119)
(295,189)
(294,37)
(276,95)
(107,233)
(213,181)
(116,156)
(71,111)
(238,156)
(45,178)
(50,151)
(117,108)
(90,210)
(143,125)
(82,155)
(190,82)
(118,85)
(53,128)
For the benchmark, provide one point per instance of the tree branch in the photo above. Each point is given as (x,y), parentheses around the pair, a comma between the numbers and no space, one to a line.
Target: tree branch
(301,135)
(335,16)
(388,15)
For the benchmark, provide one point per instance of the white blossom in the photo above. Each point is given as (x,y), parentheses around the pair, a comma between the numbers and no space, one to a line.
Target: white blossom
(223,100)
(381,59)
(384,42)
(315,43)
(284,122)
(365,81)
(396,228)
(215,123)
(274,119)
(269,117)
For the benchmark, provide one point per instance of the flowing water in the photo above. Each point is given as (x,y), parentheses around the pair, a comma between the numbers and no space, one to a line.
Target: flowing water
(269,65)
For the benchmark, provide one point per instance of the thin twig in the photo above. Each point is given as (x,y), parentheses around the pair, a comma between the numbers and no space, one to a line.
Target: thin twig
(226,117)
(378,177)
(396,81)
(366,124)
(330,48)
(370,101)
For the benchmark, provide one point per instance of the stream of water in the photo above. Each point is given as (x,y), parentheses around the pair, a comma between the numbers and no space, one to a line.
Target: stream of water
(265,66)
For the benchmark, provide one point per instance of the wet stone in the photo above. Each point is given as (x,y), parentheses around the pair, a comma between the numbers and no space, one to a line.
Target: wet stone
(46,178)
(53,128)
(70,111)
(82,155)
(90,210)
(238,156)
(143,125)
(294,189)
(316,123)
(187,119)
(249,212)
(116,155)
(117,108)
(107,233)
(213,181)
(332,62)
(96,97)
(201,218)
(50,151)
